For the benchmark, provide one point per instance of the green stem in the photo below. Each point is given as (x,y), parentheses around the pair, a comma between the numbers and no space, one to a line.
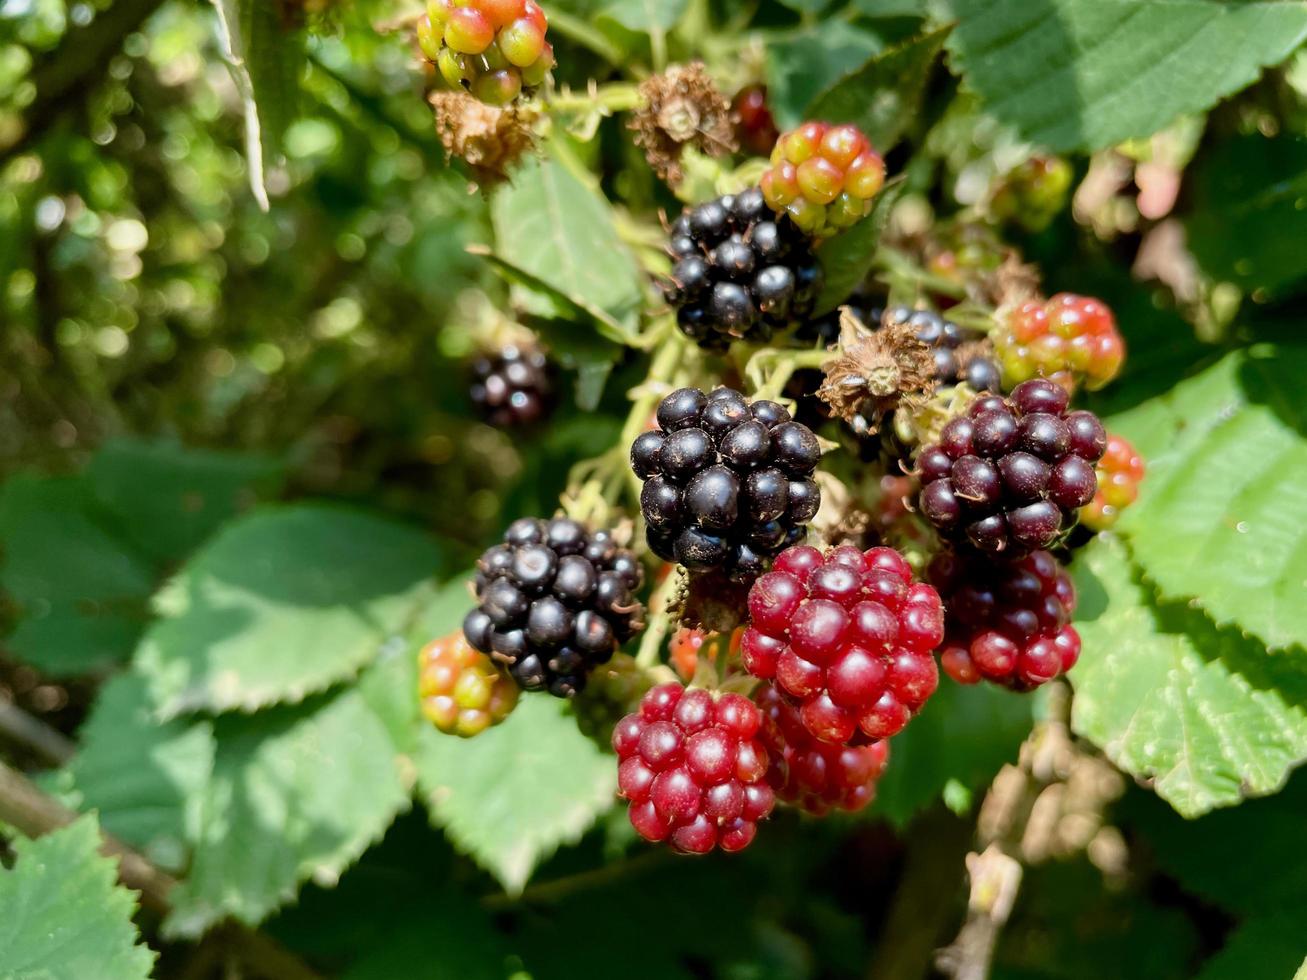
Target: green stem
(896,263)
(655,631)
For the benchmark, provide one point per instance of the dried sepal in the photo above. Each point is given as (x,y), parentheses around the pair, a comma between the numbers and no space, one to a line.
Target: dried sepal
(875,372)
(681,107)
(489,139)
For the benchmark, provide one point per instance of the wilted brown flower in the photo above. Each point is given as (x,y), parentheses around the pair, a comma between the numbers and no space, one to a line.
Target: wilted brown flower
(487,138)
(682,107)
(873,372)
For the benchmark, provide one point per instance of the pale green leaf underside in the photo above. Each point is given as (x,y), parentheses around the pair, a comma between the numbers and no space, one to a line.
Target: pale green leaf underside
(283,603)
(65,917)
(645,15)
(512,795)
(560,230)
(1200,713)
(296,793)
(1220,518)
(1087,74)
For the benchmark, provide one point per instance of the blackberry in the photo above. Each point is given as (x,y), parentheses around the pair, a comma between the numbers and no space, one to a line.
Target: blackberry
(1007,622)
(813,775)
(461,691)
(847,637)
(739,271)
(494,49)
(727,482)
(612,692)
(693,769)
(554,600)
(1010,475)
(513,386)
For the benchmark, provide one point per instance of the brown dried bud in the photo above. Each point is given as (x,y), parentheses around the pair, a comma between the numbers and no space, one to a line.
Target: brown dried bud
(681,107)
(487,138)
(876,371)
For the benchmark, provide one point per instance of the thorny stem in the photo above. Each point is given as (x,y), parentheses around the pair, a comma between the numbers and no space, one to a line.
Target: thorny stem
(605,99)
(770,369)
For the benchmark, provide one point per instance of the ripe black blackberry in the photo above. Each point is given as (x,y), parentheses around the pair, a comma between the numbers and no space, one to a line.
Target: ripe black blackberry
(740,271)
(513,386)
(1009,476)
(727,483)
(954,348)
(554,600)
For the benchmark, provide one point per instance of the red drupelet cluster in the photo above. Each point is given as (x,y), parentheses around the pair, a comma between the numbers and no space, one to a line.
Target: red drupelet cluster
(1069,339)
(694,769)
(1007,623)
(847,637)
(824,177)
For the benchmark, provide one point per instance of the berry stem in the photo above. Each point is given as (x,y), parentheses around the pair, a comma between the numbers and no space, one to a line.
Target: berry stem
(770,368)
(899,267)
(659,621)
(604,99)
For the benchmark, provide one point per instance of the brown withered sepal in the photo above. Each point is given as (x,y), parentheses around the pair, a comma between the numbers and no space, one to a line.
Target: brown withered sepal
(681,107)
(487,138)
(875,372)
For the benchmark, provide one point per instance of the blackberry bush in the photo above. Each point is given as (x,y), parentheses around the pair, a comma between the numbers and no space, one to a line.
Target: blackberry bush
(739,272)
(847,638)
(513,386)
(461,690)
(1119,473)
(1008,622)
(727,482)
(693,769)
(813,775)
(1010,476)
(1070,339)
(824,177)
(554,600)
(494,49)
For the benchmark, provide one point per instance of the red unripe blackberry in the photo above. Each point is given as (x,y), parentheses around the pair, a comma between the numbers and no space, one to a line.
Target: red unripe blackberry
(813,775)
(1119,473)
(847,638)
(494,49)
(739,272)
(693,768)
(1071,339)
(755,128)
(554,600)
(727,482)
(824,177)
(461,691)
(1008,622)
(1010,476)
(513,386)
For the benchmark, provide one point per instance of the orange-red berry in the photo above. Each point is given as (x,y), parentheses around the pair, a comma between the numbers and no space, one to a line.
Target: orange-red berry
(461,691)
(824,177)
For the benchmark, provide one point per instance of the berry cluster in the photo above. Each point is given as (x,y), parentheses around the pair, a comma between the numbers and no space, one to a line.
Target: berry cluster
(1119,472)
(1010,475)
(554,600)
(1071,339)
(513,386)
(693,769)
(847,637)
(461,690)
(1007,622)
(739,272)
(755,128)
(823,177)
(611,692)
(1033,193)
(494,49)
(727,482)
(813,775)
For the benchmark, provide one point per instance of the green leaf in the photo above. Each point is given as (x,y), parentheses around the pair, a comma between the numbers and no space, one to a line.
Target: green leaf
(283,603)
(557,228)
(144,778)
(892,8)
(804,63)
(846,259)
(1266,948)
(1249,197)
(165,499)
(964,734)
(1201,714)
(1087,74)
(1220,513)
(266,63)
(883,96)
(296,793)
(66,918)
(645,15)
(81,594)
(509,797)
